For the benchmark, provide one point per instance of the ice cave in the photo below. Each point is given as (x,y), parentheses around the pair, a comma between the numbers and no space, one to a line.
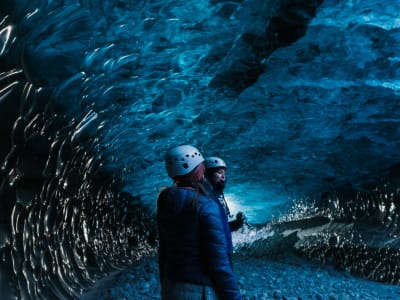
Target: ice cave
(300,97)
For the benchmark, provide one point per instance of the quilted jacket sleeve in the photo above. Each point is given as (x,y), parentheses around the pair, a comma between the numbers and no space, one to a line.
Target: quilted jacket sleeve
(214,249)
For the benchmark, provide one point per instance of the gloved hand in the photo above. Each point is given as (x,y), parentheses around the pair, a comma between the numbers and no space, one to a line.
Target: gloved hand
(240,219)
(238,222)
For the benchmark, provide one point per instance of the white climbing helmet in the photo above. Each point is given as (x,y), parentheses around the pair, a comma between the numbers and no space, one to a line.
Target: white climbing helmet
(182,160)
(214,162)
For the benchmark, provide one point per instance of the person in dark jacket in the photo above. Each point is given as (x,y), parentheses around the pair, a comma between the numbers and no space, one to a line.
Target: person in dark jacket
(193,260)
(215,175)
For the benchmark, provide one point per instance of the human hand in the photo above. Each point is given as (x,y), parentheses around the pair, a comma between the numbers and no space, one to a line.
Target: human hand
(240,219)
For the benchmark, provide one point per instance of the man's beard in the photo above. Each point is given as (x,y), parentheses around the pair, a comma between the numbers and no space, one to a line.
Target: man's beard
(220,185)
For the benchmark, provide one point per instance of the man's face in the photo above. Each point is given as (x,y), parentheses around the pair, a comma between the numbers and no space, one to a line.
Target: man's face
(219,178)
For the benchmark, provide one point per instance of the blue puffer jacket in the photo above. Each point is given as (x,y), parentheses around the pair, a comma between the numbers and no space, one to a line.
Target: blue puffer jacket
(192,242)
(224,217)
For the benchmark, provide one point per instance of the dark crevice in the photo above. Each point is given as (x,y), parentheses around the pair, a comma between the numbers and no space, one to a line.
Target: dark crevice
(289,25)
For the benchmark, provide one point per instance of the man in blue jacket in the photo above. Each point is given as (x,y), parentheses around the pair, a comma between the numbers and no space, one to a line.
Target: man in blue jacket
(215,175)
(193,259)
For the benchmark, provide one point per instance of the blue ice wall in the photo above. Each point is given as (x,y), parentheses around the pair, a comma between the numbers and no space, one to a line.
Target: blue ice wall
(299,97)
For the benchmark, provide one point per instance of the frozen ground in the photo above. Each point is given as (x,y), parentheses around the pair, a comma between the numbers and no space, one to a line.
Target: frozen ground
(259,278)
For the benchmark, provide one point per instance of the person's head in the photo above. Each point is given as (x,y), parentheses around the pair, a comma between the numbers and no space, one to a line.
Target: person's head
(216,172)
(184,165)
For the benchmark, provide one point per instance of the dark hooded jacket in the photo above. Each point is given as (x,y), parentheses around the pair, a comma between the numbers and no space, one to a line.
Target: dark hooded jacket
(193,245)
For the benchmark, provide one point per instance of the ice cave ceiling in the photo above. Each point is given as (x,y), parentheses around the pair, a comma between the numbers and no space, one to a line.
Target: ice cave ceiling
(299,97)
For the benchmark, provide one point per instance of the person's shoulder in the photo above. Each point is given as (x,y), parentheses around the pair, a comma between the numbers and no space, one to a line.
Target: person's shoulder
(173,199)
(175,192)
(207,204)
(165,192)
